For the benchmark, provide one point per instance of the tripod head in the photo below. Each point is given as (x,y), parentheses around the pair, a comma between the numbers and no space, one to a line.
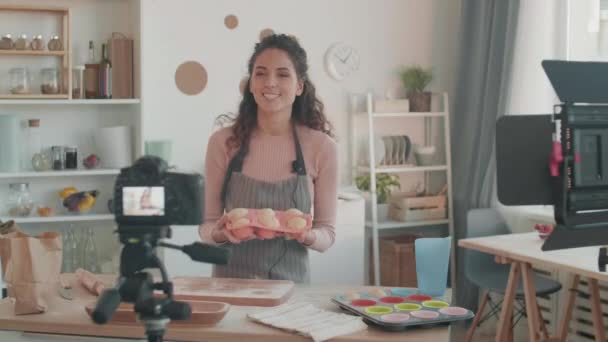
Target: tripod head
(136,286)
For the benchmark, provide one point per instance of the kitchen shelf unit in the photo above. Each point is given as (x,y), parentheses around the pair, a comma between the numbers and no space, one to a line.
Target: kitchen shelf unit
(64,13)
(373,169)
(61,218)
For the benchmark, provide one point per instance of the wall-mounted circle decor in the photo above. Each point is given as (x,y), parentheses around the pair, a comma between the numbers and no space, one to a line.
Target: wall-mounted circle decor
(231,21)
(266,32)
(191,78)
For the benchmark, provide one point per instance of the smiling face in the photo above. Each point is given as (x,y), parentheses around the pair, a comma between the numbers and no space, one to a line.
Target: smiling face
(275,83)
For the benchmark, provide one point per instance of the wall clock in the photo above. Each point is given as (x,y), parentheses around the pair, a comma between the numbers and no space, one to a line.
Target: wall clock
(341,60)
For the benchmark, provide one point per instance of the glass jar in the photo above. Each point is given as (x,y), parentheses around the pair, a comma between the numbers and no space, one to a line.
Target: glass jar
(20,81)
(19,200)
(37,43)
(6,43)
(71,157)
(21,42)
(49,78)
(78,82)
(55,44)
(58,160)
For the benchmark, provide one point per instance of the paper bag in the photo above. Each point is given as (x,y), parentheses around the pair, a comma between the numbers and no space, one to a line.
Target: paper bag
(31,267)
(120,53)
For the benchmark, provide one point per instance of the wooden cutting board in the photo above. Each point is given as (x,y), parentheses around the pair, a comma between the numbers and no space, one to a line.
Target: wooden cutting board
(243,292)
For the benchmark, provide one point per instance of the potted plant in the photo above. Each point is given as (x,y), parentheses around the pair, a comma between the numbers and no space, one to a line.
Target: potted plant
(385,184)
(415,79)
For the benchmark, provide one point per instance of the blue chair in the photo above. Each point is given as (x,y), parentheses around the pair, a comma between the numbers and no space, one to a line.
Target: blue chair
(432,261)
(490,277)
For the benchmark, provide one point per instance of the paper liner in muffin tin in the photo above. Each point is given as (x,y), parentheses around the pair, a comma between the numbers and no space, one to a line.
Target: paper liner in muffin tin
(400,308)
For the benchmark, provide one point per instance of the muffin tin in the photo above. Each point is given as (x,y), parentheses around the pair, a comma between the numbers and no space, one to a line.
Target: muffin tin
(398,308)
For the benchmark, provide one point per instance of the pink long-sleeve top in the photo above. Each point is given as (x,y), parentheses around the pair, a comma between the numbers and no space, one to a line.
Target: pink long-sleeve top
(270,159)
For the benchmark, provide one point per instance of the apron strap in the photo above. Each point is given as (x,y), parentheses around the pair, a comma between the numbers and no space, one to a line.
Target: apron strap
(236,163)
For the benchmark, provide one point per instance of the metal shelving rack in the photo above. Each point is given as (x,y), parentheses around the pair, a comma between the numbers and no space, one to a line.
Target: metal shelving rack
(372,169)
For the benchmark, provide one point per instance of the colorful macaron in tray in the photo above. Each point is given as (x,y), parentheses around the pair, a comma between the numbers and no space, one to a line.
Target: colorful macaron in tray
(397,309)
(267,223)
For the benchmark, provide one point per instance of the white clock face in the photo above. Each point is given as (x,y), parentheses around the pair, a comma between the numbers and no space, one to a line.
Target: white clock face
(341,60)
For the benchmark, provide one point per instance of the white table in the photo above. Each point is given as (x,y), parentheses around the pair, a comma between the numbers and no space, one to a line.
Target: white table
(523,250)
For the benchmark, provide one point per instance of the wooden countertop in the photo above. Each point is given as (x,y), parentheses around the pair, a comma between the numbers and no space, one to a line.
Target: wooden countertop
(67,317)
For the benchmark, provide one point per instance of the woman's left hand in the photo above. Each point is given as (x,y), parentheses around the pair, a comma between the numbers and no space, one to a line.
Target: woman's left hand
(306,238)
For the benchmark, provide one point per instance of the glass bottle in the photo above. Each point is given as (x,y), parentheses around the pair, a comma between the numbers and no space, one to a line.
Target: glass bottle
(75,249)
(68,252)
(91,53)
(105,75)
(90,253)
(78,82)
(19,201)
(20,81)
(49,81)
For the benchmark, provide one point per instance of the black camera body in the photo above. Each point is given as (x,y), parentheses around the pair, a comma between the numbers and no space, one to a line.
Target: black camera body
(148,194)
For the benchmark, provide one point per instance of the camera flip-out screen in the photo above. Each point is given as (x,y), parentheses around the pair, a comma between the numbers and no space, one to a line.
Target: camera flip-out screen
(143,201)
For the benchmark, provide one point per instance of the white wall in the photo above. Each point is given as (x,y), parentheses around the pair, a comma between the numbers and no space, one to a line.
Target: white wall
(387,33)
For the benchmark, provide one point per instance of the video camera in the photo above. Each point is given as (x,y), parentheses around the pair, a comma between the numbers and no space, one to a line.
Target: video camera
(148,197)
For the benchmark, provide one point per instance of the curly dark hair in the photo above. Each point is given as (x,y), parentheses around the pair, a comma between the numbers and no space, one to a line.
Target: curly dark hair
(307,109)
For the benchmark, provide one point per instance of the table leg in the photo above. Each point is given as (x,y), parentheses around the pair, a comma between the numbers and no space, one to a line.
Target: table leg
(596,311)
(530,298)
(484,300)
(572,294)
(504,323)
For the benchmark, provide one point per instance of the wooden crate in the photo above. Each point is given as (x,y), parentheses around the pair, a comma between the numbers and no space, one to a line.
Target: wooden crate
(397,261)
(410,209)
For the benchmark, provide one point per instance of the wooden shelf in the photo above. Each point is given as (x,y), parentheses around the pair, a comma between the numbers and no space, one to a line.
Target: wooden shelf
(61,218)
(31,53)
(403,168)
(33,96)
(63,173)
(398,224)
(409,115)
(69,102)
(25,8)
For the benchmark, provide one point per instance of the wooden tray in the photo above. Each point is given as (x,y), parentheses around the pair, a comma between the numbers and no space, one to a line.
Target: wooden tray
(203,313)
(243,292)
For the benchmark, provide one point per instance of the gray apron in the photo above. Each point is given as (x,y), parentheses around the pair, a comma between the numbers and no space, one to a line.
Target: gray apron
(277,258)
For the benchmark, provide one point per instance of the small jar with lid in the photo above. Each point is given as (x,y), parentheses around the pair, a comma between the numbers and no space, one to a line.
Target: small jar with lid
(49,78)
(58,157)
(20,81)
(37,43)
(55,44)
(21,42)
(19,201)
(71,157)
(6,43)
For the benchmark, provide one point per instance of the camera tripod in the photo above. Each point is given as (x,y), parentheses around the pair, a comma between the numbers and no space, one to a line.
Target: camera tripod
(135,286)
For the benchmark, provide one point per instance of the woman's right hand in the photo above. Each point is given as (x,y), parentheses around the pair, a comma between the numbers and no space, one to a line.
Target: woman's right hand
(220,234)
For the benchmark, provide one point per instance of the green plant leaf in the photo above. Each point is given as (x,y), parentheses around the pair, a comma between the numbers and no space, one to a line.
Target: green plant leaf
(415,78)
(385,183)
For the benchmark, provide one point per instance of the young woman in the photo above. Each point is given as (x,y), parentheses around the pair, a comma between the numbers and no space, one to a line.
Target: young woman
(279,153)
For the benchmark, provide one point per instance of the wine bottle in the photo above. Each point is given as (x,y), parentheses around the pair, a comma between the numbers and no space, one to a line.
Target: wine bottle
(105,75)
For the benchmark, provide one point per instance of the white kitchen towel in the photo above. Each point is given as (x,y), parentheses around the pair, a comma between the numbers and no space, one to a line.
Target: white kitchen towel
(307,320)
